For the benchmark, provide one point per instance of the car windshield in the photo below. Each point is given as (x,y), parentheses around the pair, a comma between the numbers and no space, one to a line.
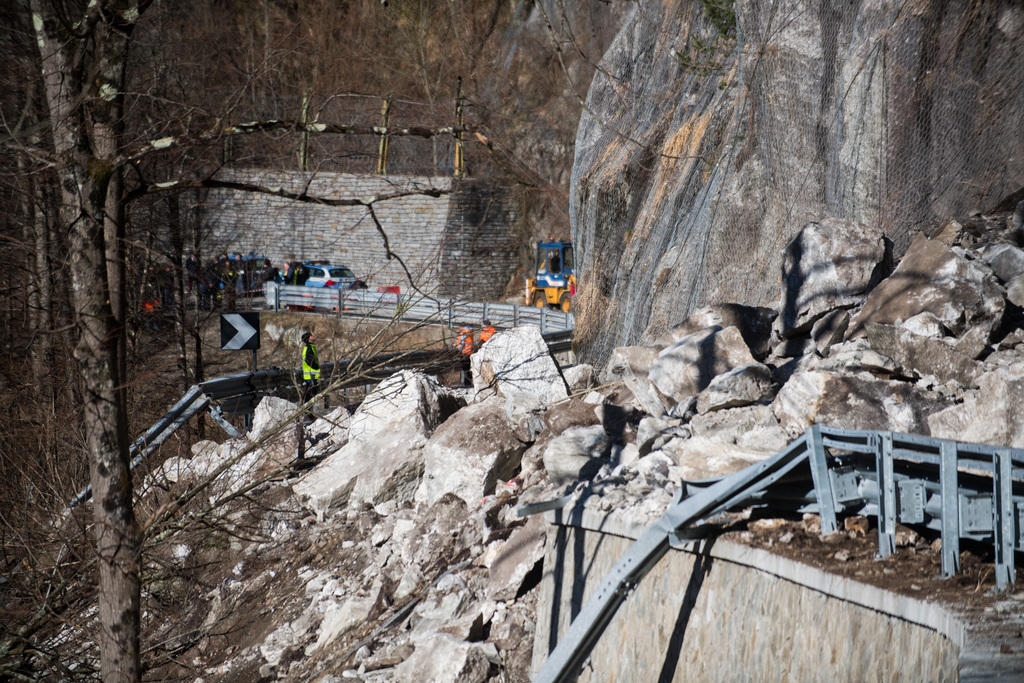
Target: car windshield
(341,272)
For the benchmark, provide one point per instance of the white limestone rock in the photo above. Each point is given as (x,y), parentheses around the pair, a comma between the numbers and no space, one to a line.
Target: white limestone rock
(518,360)
(515,558)
(702,458)
(992,414)
(383,457)
(330,432)
(468,454)
(272,413)
(961,293)
(685,368)
(577,452)
(444,657)
(830,264)
(852,402)
(579,378)
(740,386)
(753,428)
(631,365)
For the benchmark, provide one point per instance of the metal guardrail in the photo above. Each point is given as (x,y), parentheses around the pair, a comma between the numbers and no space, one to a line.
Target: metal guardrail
(415,307)
(964,490)
(239,394)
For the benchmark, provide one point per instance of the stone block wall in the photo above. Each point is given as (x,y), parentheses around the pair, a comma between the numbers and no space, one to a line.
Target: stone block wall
(459,243)
(724,612)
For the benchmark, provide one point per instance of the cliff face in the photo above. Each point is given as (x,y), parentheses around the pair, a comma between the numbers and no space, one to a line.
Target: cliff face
(714,131)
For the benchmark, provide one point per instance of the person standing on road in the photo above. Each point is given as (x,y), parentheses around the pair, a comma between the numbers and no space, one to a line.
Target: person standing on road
(464,342)
(310,367)
(487,331)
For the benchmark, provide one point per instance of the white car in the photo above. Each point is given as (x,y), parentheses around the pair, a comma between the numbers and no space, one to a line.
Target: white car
(333,277)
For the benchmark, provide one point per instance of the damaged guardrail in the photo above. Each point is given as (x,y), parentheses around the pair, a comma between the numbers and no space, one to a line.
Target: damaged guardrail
(963,490)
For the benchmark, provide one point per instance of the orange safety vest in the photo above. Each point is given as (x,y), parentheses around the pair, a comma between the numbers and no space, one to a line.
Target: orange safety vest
(464,343)
(486,333)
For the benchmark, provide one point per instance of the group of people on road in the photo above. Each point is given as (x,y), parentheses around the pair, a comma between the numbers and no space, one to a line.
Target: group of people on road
(220,283)
(464,342)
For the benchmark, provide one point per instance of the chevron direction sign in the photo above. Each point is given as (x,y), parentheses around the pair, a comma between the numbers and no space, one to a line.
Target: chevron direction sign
(239,331)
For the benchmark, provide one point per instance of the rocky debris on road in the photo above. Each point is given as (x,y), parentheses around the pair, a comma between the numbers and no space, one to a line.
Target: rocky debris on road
(398,553)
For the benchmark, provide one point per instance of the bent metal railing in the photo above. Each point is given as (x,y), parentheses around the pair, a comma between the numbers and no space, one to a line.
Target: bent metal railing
(239,394)
(415,307)
(962,490)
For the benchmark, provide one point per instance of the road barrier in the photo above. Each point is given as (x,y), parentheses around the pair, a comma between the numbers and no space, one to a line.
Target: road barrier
(414,308)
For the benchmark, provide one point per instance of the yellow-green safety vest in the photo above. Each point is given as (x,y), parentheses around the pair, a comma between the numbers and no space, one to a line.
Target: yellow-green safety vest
(310,363)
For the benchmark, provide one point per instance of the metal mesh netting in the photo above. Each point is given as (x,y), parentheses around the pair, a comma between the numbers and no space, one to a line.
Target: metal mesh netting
(715,130)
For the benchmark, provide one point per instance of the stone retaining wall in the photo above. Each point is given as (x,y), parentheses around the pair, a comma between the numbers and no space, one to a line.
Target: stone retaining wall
(723,611)
(459,243)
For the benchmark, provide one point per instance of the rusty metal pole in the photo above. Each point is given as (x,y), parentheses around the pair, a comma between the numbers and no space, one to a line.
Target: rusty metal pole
(382,149)
(459,165)
(304,139)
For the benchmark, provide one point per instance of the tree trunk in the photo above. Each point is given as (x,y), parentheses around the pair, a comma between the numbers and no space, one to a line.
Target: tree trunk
(84,113)
(178,266)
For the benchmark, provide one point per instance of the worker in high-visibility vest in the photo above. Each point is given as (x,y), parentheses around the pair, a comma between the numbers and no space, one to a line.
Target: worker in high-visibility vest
(310,366)
(486,332)
(464,343)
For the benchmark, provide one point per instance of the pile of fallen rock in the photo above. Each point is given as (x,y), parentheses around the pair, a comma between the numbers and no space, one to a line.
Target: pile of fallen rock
(434,573)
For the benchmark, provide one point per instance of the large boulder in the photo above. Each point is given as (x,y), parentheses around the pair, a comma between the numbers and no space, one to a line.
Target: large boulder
(753,322)
(630,365)
(468,454)
(1005,260)
(738,387)
(992,414)
(852,402)
(405,400)
(923,355)
(685,368)
(577,453)
(383,458)
(444,657)
(328,433)
(830,264)
(702,458)
(752,428)
(518,361)
(270,415)
(962,294)
(515,558)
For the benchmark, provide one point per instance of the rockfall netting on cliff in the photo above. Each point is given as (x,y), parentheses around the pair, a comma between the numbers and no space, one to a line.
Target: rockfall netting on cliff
(714,130)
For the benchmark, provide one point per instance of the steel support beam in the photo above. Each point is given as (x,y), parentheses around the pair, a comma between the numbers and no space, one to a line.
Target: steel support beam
(949,482)
(886,494)
(1002,524)
(822,480)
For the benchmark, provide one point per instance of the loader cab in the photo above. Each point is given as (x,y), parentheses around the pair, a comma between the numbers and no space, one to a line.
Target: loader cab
(553,283)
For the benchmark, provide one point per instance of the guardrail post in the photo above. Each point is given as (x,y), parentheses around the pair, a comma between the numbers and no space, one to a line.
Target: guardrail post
(277,299)
(948,482)
(483,314)
(515,315)
(543,319)
(341,305)
(1002,524)
(886,495)
(822,480)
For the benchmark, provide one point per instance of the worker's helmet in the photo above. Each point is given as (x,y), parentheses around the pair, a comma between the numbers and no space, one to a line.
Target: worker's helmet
(487,322)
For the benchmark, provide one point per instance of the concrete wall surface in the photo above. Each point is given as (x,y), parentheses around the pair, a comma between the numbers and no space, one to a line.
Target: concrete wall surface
(726,612)
(460,242)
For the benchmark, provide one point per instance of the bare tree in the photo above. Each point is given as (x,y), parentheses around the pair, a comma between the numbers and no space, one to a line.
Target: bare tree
(82,56)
